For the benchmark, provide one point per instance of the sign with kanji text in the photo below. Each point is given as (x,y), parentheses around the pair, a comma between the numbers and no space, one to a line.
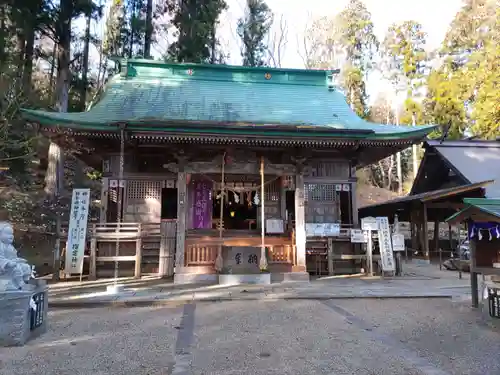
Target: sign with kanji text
(359,236)
(77,231)
(385,244)
(398,242)
(369,223)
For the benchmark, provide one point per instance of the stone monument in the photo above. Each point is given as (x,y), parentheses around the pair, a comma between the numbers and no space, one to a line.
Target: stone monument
(241,266)
(23,300)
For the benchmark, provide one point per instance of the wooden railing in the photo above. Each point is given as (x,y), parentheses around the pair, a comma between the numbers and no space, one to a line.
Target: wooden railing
(200,255)
(124,233)
(284,254)
(119,231)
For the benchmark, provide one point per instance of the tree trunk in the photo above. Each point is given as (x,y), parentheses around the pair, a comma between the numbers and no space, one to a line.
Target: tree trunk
(28,57)
(20,49)
(148,37)
(85,65)
(132,29)
(55,170)
(52,71)
(63,56)
(3,36)
(414,151)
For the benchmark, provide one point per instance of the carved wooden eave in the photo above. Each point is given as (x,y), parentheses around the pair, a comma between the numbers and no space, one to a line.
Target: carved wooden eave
(234,167)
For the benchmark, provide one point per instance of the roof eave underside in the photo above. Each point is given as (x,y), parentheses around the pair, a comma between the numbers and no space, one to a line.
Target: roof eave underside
(468,212)
(428,196)
(170,127)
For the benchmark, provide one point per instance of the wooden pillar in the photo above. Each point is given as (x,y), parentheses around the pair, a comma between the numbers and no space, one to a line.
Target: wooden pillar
(300,225)
(138,253)
(181,220)
(283,199)
(330,257)
(354,202)
(473,275)
(166,264)
(425,236)
(436,236)
(263,257)
(104,200)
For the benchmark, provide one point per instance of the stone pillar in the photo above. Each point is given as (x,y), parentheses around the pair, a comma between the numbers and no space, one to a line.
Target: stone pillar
(300,227)
(181,220)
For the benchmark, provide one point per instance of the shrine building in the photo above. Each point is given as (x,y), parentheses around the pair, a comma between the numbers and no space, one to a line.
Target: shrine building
(211,171)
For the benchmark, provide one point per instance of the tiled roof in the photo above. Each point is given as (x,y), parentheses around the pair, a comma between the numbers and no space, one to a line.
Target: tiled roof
(149,92)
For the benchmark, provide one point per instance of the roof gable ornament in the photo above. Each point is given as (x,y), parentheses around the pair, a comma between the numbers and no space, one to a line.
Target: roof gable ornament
(330,83)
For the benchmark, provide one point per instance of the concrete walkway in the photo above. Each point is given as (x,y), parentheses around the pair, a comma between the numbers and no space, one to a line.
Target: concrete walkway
(419,281)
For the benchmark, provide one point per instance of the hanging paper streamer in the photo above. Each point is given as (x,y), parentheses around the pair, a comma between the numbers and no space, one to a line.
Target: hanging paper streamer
(256,199)
(477,229)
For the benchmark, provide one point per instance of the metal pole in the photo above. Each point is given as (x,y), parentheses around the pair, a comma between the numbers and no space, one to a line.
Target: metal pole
(119,201)
(369,250)
(219,261)
(263,260)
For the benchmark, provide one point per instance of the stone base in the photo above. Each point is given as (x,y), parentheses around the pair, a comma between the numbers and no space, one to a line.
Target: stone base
(195,278)
(285,277)
(15,315)
(236,279)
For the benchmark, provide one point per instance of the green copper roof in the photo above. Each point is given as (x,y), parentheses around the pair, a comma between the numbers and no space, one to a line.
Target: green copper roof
(177,96)
(487,206)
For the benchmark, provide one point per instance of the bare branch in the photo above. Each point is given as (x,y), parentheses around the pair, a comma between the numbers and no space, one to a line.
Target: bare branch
(277,42)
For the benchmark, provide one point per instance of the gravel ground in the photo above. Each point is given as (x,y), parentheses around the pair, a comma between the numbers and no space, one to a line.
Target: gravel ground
(99,341)
(449,334)
(341,337)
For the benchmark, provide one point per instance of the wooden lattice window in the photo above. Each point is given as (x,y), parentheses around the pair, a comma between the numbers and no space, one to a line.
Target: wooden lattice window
(272,191)
(320,192)
(139,190)
(289,182)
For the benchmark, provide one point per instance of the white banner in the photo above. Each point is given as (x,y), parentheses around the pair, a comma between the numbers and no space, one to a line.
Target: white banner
(77,231)
(385,244)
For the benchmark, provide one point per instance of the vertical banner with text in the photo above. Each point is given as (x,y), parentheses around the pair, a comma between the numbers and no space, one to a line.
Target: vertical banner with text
(385,244)
(77,231)
(202,215)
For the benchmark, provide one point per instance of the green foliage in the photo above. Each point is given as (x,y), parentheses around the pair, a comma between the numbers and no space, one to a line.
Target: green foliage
(404,56)
(463,91)
(252,30)
(353,83)
(195,22)
(354,33)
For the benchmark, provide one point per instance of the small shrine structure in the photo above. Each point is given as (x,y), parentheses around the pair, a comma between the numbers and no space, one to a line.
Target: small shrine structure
(212,170)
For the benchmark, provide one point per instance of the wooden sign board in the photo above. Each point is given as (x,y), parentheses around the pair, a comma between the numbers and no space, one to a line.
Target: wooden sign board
(275,226)
(322,230)
(369,223)
(359,236)
(398,242)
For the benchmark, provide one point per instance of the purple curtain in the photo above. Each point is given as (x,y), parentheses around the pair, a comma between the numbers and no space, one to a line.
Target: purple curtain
(202,204)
